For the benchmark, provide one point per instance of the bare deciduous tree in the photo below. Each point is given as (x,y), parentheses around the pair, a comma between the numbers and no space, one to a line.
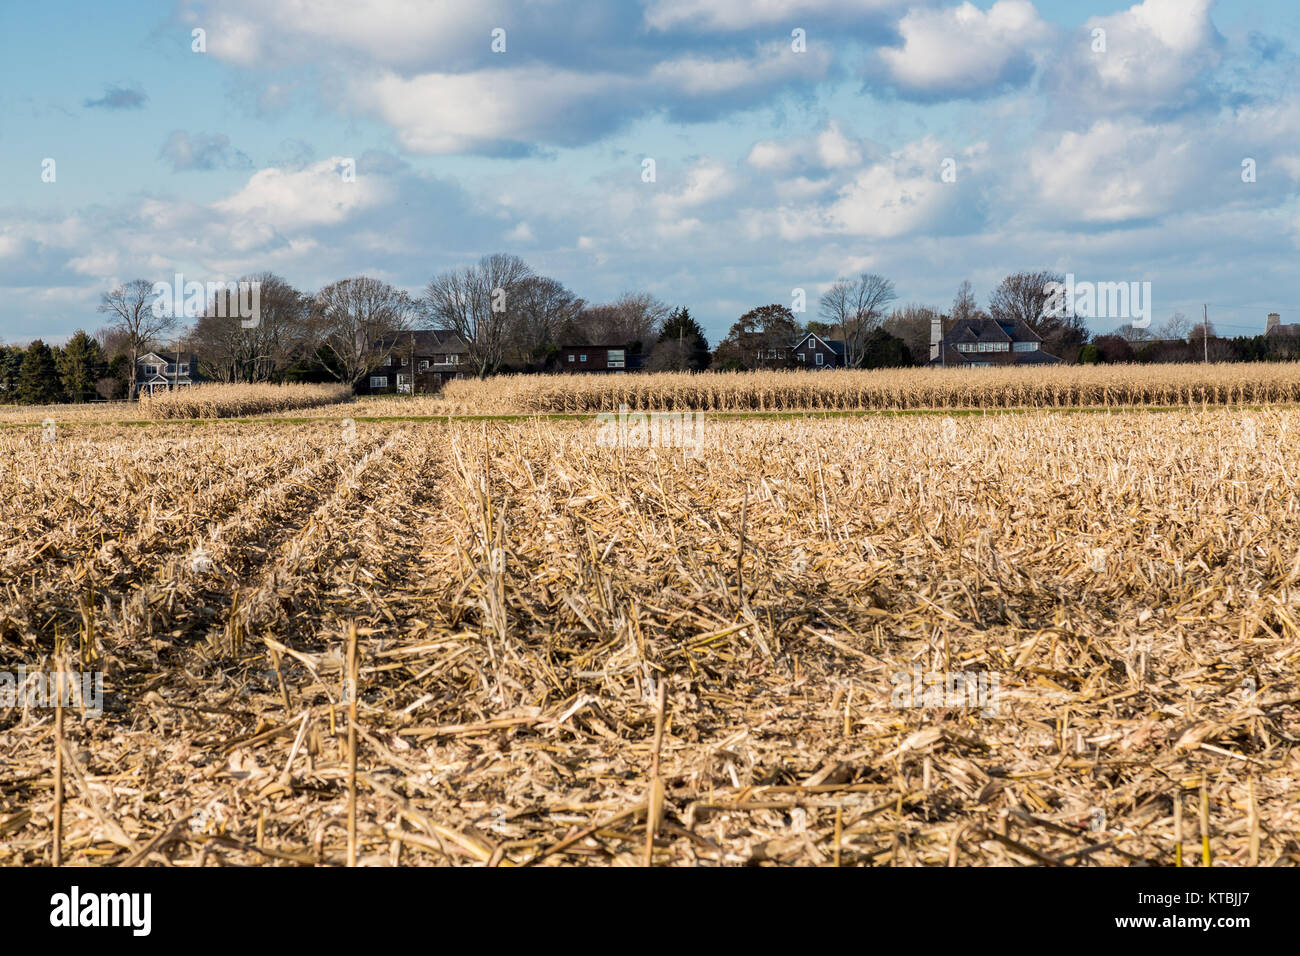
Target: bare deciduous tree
(112,341)
(857,308)
(1176,327)
(1131,334)
(478,303)
(634,317)
(356,321)
(1023,297)
(671,355)
(542,309)
(230,352)
(138,317)
(912,324)
(964,305)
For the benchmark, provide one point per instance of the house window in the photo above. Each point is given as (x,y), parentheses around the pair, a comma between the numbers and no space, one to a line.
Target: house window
(379,381)
(424,365)
(151,370)
(405,362)
(614,358)
(820,358)
(403,384)
(801,358)
(571,356)
(582,358)
(1026,346)
(453,359)
(388,360)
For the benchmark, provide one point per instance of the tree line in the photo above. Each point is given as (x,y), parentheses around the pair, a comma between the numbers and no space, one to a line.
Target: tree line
(514,319)
(860,313)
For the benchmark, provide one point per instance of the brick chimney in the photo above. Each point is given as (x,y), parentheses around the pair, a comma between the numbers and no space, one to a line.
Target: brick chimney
(1274,320)
(936,336)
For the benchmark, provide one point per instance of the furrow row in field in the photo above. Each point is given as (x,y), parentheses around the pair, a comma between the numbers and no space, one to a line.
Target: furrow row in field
(313,545)
(91,495)
(150,561)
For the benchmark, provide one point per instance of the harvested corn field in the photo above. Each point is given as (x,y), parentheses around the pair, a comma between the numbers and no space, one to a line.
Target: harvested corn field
(1029,639)
(1038,386)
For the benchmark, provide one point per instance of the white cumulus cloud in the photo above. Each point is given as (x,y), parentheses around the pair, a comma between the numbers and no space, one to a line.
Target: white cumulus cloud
(964,51)
(290,199)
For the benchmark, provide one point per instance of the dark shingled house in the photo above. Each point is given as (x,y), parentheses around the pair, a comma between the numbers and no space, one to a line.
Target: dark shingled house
(598,358)
(976,343)
(422,360)
(814,352)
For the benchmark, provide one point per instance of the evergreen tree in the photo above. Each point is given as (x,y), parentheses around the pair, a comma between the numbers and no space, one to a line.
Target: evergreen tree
(116,382)
(38,379)
(882,350)
(682,328)
(11,362)
(81,363)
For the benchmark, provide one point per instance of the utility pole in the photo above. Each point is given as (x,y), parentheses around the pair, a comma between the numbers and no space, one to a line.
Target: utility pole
(1205,330)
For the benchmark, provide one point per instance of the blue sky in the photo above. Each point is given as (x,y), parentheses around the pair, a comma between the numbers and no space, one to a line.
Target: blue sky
(775,169)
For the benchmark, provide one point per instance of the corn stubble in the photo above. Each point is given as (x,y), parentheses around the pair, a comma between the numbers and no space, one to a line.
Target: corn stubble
(522,597)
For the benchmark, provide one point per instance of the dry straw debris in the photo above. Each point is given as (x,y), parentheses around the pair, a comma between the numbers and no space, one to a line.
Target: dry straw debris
(1117,593)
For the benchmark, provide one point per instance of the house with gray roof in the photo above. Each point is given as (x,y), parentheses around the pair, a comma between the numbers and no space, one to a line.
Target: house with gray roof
(419,361)
(164,371)
(977,343)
